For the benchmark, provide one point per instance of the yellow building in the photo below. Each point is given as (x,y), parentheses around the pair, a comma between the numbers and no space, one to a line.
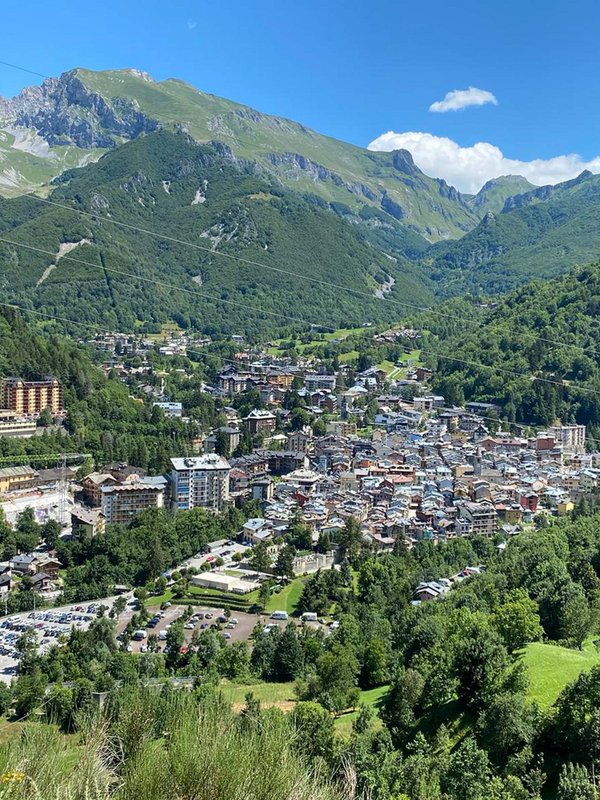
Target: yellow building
(31,397)
(16,478)
(564,508)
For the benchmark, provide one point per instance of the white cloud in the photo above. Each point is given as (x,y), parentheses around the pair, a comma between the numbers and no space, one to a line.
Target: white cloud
(463,98)
(191,23)
(468,168)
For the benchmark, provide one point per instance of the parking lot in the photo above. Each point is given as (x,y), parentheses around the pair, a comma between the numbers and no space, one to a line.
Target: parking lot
(48,625)
(52,623)
(238,628)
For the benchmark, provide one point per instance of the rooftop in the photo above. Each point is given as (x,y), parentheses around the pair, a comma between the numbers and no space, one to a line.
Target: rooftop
(207,461)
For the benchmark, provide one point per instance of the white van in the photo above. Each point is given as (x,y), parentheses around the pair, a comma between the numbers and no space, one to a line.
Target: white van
(139,635)
(279,615)
(309,616)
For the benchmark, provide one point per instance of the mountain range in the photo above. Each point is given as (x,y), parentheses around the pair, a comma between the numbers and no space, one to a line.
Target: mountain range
(228,179)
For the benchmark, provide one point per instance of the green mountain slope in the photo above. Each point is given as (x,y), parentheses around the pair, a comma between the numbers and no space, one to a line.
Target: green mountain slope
(547,329)
(203,194)
(91,110)
(541,233)
(493,195)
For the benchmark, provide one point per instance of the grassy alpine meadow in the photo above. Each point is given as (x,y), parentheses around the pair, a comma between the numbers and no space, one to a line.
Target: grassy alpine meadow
(550,668)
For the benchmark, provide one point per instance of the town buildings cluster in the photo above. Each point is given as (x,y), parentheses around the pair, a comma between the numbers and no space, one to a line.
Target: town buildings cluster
(389,454)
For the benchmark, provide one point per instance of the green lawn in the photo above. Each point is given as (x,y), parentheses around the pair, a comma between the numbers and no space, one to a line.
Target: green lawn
(157,600)
(287,599)
(280,694)
(370,697)
(551,668)
(397,373)
(387,366)
(340,333)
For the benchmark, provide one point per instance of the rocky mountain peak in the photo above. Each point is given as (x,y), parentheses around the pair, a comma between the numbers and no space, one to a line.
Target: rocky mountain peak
(64,111)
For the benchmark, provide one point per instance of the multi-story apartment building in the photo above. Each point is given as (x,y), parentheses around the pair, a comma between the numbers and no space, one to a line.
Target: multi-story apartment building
(200,482)
(31,397)
(314,381)
(260,421)
(122,501)
(571,437)
(478,519)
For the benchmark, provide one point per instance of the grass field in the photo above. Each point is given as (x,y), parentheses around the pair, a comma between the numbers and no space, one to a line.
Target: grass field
(287,599)
(157,600)
(339,334)
(395,373)
(282,696)
(551,668)
(270,694)
(370,697)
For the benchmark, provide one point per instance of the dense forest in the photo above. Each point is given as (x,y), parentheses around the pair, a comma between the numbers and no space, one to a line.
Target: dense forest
(536,234)
(547,330)
(164,182)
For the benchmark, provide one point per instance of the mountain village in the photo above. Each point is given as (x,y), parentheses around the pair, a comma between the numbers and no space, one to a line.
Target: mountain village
(383,452)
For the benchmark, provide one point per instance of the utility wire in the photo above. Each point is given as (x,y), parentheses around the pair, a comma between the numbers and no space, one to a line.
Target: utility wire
(329,284)
(262,265)
(164,284)
(24,69)
(250,262)
(246,306)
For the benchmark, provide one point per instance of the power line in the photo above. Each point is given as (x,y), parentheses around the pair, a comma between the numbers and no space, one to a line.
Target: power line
(24,69)
(206,354)
(250,262)
(515,373)
(164,284)
(262,265)
(507,370)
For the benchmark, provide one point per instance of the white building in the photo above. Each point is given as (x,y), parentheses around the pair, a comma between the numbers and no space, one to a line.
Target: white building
(170,409)
(200,482)
(571,437)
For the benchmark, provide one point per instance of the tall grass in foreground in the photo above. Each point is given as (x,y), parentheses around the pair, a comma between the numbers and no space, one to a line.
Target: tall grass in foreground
(151,747)
(40,765)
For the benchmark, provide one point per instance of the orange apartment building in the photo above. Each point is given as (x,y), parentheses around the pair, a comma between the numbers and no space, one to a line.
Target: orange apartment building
(28,398)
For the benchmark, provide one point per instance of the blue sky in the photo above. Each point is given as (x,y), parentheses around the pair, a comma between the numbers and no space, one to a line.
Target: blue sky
(354,70)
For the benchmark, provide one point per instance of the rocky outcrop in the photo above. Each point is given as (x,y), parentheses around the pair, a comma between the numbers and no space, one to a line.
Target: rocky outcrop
(392,207)
(296,165)
(64,111)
